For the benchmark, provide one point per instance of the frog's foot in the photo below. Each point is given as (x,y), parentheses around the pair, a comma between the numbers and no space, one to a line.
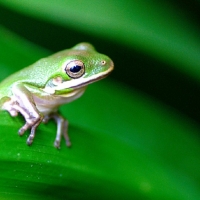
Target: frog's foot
(33,118)
(12,107)
(32,122)
(62,128)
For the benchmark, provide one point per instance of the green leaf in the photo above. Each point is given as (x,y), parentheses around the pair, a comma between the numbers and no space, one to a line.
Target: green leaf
(125,145)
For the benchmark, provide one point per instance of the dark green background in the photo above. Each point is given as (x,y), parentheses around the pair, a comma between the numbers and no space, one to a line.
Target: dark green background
(138,69)
(135,134)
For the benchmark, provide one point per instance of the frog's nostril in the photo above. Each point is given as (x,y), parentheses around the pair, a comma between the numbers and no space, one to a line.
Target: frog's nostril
(103,62)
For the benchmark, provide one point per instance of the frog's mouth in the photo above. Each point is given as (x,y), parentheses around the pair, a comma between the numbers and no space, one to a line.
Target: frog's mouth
(81,82)
(78,83)
(90,80)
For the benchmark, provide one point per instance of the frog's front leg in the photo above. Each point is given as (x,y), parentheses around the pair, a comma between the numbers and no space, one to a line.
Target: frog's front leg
(62,128)
(26,106)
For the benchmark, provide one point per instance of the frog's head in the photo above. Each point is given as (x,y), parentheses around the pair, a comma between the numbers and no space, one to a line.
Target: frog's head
(78,67)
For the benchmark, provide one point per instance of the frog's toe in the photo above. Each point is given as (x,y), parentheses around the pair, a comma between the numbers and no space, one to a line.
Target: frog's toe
(68,143)
(57,144)
(30,140)
(21,131)
(13,113)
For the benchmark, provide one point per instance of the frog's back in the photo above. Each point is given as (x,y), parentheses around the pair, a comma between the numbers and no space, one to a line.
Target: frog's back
(35,74)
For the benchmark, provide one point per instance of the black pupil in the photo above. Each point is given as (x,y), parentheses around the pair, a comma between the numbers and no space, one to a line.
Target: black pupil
(75,68)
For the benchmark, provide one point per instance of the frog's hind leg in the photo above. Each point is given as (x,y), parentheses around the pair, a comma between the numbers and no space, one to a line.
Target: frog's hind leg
(62,128)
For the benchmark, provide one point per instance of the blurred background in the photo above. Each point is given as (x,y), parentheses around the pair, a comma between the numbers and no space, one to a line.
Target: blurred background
(155,46)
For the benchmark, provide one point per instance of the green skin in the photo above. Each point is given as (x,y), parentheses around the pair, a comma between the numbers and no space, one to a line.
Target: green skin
(37,91)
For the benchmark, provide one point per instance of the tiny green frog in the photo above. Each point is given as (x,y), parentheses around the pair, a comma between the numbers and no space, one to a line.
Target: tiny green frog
(37,91)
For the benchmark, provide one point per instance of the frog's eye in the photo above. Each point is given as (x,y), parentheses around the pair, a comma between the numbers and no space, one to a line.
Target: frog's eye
(75,69)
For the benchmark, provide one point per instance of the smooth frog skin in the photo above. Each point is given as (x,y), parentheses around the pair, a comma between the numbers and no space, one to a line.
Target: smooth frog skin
(37,91)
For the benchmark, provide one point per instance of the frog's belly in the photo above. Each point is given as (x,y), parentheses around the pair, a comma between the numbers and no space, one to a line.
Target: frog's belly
(50,103)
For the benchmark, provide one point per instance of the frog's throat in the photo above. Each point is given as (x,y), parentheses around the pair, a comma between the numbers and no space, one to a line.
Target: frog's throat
(77,83)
